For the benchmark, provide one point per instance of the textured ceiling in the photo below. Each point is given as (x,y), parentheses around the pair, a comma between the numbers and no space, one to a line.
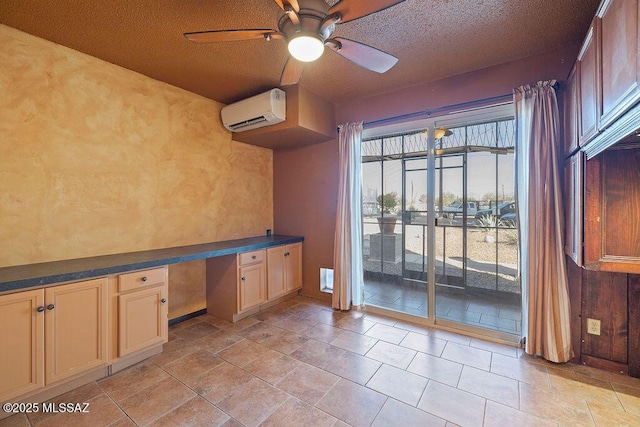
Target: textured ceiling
(432,39)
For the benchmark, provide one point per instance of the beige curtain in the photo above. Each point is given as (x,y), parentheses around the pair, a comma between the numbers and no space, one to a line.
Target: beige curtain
(347,251)
(546,321)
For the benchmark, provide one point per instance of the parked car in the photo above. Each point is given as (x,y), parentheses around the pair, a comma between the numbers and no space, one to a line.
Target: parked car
(457,209)
(498,211)
(508,219)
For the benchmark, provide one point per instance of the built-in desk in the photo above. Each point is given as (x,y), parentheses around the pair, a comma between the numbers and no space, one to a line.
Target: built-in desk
(23,277)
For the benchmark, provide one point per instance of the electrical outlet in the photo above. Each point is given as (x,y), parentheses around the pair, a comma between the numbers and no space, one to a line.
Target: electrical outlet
(593,326)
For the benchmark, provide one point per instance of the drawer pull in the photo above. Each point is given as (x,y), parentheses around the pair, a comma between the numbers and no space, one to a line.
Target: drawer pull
(40,309)
(163,300)
(144,278)
(51,307)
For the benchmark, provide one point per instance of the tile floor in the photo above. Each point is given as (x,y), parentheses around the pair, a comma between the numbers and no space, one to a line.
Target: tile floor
(496,311)
(303,364)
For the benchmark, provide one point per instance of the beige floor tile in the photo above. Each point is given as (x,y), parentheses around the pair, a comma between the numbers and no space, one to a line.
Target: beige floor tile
(605,416)
(81,394)
(242,353)
(252,402)
(272,366)
(285,342)
(629,397)
(584,387)
(520,370)
(192,365)
(352,403)
(359,325)
(324,333)
(241,324)
(317,353)
(354,367)
(413,327)
(497,415)
(435,368)
(451,336)
(327,317)
(466,355)
(384,320)
(218,341)
(354,342)
(17,420)
(296,324)
(102,411)
(295,413)
(453,405)
(424,343)
(491,386)
(186,323)
(399,384)
(307,383)
(561,408)
(215,384)
(132,380)
(174,349)
(612,377)
(503,349)
(153,402)
(387,333)
(399,414)
(260,332)
(195,331)
(123,422)
(193,413)
(391,354)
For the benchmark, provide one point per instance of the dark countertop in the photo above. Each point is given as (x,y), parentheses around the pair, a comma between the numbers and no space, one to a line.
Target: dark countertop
(21,277)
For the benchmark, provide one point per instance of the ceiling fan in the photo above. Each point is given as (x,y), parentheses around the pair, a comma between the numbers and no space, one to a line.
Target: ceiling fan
(308,26)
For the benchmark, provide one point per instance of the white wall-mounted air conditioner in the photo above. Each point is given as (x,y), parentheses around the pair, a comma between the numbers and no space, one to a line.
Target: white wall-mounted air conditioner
(265,109)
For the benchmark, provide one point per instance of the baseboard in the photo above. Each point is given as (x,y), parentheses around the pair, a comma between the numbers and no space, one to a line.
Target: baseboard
(187,316)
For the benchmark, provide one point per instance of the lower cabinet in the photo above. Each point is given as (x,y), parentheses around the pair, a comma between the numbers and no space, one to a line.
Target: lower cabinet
(57,336)
(142,310)
(243,284)
(51,334)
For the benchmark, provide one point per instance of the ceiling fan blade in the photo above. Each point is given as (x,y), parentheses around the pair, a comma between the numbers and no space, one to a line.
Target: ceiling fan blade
(284,3)
(232,35)
(365,56)
(291,72)
(354,9)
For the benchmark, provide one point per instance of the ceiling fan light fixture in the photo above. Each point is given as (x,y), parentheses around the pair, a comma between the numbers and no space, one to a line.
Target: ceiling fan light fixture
(306,48)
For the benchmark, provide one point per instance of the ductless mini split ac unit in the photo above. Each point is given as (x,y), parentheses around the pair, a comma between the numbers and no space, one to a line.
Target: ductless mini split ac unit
(265,109)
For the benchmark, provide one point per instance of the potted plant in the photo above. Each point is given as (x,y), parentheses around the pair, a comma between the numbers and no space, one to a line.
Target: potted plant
(387,204)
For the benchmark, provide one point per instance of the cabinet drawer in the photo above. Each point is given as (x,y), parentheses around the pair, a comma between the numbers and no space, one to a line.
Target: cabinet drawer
(251,257)
(140,279)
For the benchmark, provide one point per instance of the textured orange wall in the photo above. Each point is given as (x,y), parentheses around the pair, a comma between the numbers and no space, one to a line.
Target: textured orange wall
(96,159)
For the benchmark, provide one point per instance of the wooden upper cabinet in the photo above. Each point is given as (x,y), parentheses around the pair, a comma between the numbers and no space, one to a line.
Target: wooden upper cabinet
(570,114)
(612,209)
(573,175)
(588,96)
(620,58)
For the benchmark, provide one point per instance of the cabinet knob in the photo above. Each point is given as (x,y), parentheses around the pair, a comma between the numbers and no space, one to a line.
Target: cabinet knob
(163,300)
(242,278)
(40,309)
(253,257)
(51,307)
(144,278)
(286,254)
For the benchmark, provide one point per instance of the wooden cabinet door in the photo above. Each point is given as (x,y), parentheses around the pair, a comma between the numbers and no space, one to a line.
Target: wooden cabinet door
(142,319)
(75,328)
(21,343)
(619,57)
(293,262)
(588,75)
(570,113)
(574,182)
(251,286)
(276,285)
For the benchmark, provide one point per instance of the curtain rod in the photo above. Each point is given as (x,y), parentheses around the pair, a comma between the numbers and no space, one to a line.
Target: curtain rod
(428,113)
